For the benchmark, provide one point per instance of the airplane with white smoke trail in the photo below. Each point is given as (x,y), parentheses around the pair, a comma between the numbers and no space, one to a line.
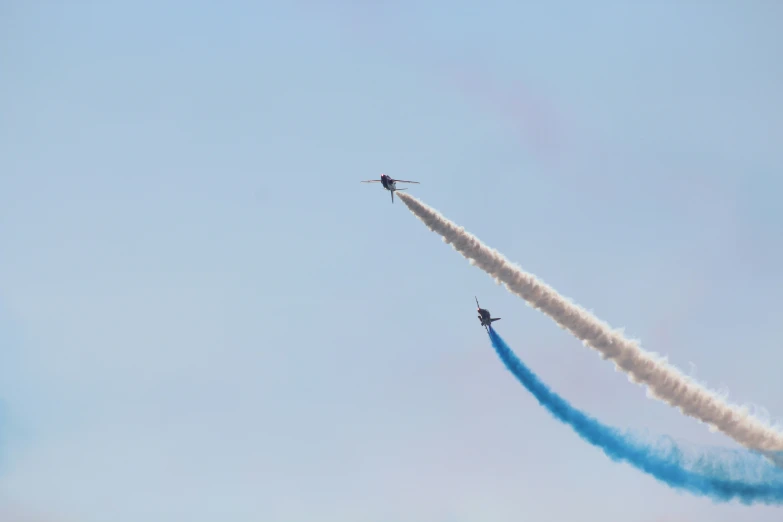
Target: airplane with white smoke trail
(389,183)
(663,381)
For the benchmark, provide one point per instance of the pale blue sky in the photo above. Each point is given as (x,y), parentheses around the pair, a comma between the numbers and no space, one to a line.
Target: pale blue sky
(205,316)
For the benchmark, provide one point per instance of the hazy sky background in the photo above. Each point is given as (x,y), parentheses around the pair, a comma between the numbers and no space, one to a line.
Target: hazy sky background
(205,316)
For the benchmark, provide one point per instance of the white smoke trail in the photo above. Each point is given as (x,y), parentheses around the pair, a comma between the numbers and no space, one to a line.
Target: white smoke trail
(664,382)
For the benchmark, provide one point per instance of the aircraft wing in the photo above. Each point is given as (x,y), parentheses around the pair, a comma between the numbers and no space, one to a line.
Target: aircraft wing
(372,181)
(403,181)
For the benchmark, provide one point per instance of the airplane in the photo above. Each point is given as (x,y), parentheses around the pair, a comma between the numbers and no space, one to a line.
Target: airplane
(389,183)
(484,316)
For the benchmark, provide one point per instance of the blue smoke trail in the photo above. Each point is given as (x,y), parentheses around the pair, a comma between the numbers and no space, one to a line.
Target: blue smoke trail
(745,477)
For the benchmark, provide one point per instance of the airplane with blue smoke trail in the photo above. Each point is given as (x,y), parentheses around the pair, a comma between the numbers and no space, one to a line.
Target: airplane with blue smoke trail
(389,183)
(484,316)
